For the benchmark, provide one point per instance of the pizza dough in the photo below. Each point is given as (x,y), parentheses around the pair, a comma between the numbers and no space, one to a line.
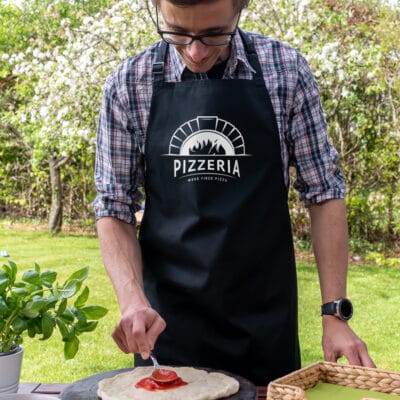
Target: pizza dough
(202,385)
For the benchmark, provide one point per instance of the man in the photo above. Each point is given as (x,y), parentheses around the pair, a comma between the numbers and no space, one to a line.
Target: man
(209,120)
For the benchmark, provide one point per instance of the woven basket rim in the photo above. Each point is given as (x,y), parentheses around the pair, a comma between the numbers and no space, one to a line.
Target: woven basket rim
(356,376)
(323,366)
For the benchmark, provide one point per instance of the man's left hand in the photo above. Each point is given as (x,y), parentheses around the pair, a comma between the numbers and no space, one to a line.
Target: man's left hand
(339,340)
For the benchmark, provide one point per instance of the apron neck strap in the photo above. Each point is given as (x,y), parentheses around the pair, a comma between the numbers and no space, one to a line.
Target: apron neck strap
(158,65)
(252,56)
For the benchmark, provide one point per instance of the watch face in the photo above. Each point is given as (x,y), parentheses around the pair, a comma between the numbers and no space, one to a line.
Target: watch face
(345,309)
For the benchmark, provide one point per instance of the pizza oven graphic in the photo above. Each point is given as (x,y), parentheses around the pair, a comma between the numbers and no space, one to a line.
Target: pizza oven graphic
(207,136)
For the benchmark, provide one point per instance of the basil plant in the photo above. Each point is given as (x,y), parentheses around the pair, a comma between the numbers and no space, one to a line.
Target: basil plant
(38,305)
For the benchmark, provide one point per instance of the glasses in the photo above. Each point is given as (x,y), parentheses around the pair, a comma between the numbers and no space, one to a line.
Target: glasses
(185,39)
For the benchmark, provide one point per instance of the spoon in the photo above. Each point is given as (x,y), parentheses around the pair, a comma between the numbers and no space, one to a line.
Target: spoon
(162,375)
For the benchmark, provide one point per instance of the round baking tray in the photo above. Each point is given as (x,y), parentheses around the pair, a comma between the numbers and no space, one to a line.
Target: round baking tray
(86,389)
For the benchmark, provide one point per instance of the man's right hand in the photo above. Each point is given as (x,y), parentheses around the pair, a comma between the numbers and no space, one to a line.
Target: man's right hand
(138,330)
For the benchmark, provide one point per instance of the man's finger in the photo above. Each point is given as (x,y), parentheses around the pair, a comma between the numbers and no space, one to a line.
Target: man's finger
(329,355)
(139,340)
(365,359)
(120,340)
(154,331)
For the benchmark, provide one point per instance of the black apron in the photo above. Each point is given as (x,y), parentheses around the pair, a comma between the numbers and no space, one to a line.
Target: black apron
(216,238)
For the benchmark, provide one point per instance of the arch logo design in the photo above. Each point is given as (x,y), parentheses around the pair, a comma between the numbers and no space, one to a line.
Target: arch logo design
(206,148)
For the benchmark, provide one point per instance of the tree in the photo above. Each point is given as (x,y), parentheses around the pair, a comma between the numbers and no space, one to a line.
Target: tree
(69,64)
(353,49)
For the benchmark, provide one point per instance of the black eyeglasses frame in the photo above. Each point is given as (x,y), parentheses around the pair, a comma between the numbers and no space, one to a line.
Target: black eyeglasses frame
(196,37)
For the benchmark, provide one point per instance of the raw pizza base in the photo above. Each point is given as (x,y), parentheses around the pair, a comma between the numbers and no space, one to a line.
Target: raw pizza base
(202,385)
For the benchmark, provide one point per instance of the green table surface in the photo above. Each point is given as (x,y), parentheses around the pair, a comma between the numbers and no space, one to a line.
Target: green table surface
(328,391)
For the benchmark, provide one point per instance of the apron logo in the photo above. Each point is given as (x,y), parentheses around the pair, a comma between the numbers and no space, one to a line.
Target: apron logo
(206,148)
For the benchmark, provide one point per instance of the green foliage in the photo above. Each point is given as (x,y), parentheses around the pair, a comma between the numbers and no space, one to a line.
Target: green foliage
(56,64)
(353,48)
(97,351)
(34,30)
(37,304)
(377,258)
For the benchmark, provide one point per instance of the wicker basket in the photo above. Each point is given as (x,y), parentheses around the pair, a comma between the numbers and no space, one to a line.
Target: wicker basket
(293,386)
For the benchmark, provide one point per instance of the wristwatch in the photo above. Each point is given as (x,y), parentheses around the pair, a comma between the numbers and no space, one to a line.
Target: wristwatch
(340,308)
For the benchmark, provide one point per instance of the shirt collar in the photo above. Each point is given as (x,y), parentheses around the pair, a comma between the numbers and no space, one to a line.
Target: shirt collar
(177,64)
(237,59)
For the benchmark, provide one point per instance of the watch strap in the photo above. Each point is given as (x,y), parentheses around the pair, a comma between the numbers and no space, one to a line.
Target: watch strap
(329,308)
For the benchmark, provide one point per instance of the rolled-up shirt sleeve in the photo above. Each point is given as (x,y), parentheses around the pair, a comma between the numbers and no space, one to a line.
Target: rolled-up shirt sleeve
(119,162)
(318,176)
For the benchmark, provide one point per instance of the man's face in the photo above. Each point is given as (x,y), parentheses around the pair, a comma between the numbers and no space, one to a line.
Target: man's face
(218,16)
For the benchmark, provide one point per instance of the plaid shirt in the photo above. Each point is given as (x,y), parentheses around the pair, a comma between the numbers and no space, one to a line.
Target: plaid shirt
(124,115)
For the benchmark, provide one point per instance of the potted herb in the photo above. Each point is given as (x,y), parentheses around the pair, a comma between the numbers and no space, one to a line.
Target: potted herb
(37,305)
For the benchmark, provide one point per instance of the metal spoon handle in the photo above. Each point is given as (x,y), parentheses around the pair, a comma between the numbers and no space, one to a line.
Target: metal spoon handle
(155,362)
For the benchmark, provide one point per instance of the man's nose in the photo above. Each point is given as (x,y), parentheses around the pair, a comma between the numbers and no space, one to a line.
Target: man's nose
(197,50)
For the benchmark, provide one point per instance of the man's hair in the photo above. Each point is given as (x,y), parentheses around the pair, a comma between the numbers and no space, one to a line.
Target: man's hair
(239,4)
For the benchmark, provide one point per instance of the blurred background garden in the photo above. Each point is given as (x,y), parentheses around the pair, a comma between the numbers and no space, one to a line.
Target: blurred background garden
(54,58)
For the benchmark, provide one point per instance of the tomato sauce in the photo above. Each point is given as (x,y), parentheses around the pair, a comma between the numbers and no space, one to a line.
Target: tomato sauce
(151,385)
(164,375)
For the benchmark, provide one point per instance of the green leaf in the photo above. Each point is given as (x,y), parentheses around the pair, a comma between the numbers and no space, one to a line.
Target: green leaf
(71,348)
(20,291)
(94,312)
(38,325)
(56,292)
(82,298)
(47,326)
(31,276)
(10,270)
(3,284)
(61,307)
(31,330)
(29,312)
(80,275)
(70,288)
(62,328)
(4,274)
(67,316)
(13,270)
(3,307)
(51,301)
(48,277)
(19,325)
(36,304)
(87,327)
(80,316)
(12,302)
(37,268)
(71,333)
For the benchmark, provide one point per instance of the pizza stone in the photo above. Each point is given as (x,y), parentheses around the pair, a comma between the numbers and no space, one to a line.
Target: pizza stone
(202,385)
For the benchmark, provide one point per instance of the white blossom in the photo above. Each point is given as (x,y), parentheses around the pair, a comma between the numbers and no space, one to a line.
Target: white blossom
(345,92)
(43,111)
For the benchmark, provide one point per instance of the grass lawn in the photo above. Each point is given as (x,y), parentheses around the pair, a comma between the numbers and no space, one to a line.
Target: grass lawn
(373,290)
